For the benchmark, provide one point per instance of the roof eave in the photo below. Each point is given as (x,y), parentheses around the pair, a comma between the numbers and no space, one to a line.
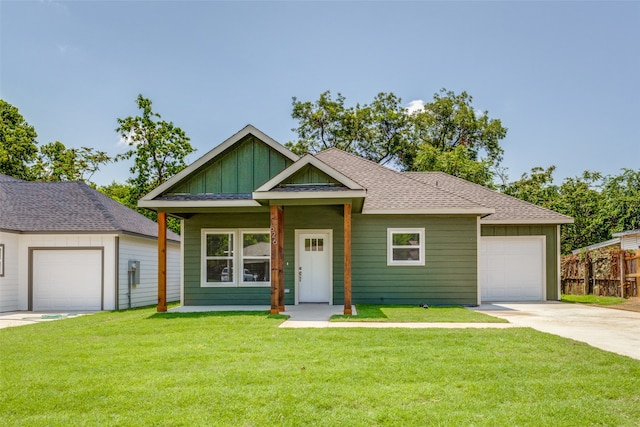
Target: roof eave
(283,195)
(430,211)
(521,221)
(167,204)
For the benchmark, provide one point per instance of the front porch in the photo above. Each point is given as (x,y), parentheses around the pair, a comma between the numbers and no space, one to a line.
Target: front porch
(289,272)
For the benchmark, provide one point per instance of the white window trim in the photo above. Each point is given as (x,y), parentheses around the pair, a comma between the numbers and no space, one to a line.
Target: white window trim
(203,257)
(237,258)
(390,247)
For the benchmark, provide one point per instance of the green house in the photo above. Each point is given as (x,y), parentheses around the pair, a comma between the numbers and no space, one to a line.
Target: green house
(262,226)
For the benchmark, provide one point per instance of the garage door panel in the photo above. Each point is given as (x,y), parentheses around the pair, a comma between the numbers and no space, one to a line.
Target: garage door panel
(67,279)
(512,269)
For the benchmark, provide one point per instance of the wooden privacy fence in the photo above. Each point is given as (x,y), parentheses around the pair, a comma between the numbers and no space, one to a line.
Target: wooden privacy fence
(602,272)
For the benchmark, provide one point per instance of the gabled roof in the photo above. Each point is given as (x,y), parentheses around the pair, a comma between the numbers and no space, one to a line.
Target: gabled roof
(147,200)
(508,209)
(68,207)
(391,192)
(334,175)
(346,188)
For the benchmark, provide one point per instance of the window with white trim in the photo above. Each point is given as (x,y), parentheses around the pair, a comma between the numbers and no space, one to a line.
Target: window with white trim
(232,258)
(405,246)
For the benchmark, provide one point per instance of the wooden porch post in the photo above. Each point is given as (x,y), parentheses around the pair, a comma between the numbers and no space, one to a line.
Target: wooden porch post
(347,259)
(275,258)
(162,262)
(281,258)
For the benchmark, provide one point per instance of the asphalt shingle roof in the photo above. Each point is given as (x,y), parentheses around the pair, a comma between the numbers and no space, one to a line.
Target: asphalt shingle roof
(68,207)
(389,190)
(507,208)
(7,178)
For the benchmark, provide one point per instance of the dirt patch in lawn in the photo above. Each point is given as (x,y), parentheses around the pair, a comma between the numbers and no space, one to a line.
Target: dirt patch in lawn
(631,304)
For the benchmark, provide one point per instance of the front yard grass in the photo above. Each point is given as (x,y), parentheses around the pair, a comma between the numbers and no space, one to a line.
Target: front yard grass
(592,299)
(414,313)
(239,369)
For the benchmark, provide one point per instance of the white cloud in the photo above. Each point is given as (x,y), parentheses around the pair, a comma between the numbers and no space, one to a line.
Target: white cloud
(63,48)
(415,105)
(128,140)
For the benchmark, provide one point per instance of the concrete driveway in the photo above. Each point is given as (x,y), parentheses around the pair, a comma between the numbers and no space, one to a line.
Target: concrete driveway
(19,318)
(613,330)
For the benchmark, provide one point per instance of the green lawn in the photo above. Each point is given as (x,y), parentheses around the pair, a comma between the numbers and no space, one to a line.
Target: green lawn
(592,299)
(407,313)
(239,369)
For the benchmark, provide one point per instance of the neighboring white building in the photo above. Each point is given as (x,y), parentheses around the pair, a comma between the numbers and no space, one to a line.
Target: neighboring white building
(67,247)
(629,240)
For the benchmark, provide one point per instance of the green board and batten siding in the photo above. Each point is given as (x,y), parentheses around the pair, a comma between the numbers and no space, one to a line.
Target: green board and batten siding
(310,175)
(551,254)
(448,276)
(241,170)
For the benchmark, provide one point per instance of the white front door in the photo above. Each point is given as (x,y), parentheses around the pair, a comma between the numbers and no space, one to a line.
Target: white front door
(313,266)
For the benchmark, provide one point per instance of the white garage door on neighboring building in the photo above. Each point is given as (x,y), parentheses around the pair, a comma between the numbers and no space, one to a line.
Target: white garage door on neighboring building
(512,268)
(69,279)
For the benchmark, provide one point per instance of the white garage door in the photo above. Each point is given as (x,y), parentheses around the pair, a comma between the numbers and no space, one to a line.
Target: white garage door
(512,268)
(67,279)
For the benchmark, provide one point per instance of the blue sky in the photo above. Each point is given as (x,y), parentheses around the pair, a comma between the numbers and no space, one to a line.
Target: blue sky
(564,77)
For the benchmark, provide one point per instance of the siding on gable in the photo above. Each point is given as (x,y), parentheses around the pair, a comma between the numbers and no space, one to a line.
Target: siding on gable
(146,251)
(9,282)
(310,175)
(551,253)
(242,169)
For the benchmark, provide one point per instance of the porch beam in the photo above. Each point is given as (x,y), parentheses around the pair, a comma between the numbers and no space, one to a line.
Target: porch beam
(162,262)
(275,258)
(347,259)
(281,258)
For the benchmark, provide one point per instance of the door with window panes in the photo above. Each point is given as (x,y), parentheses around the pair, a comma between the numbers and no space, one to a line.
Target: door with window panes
(314,268)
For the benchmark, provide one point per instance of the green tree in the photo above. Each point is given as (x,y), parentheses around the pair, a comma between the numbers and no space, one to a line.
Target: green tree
(450,120)
(621,201)
(376,132)
(158,148)
(456,162)
(55,162)
(535,187)
(581,198)
(386,132)
(119,192)
(18,145)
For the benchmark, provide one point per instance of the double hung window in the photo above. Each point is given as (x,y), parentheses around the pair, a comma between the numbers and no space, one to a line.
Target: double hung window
(236,257)
(405,246)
